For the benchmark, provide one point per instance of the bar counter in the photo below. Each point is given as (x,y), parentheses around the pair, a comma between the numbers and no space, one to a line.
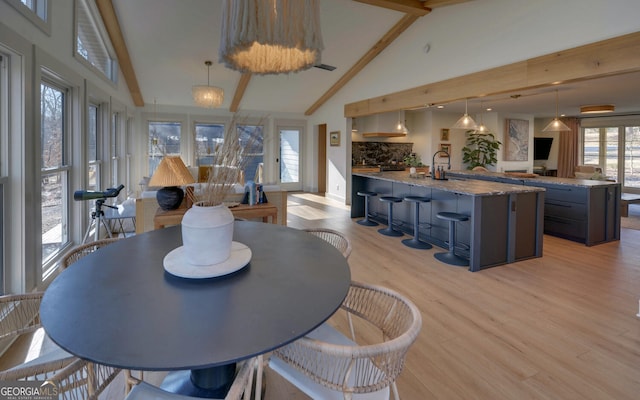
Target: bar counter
(505,223)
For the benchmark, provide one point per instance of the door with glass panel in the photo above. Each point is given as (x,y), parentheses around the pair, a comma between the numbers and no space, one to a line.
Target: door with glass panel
(289,160)
(617,151)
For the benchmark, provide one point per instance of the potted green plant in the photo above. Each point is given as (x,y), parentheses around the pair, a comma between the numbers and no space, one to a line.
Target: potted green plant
(481,150)
(414,163)
(412,160)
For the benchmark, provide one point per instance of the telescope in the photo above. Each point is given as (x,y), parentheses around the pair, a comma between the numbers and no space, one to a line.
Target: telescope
(80,195)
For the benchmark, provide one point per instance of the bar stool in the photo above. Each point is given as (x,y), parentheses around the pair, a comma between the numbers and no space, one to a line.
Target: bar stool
(450,257)
(366,221)
(416,243)
(389,231)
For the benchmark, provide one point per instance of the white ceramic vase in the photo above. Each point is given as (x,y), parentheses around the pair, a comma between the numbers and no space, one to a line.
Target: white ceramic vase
(207,233)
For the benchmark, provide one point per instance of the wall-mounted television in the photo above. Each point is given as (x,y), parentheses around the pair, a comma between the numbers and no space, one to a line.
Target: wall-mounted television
(541,147)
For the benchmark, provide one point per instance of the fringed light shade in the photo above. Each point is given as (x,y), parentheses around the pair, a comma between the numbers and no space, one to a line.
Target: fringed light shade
(270,36)
(207,96)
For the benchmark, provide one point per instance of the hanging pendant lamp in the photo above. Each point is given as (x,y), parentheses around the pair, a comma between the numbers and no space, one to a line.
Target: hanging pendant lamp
(556,125)
(270,37)
(400,126)
(465,122)
(482,129)
(207,96)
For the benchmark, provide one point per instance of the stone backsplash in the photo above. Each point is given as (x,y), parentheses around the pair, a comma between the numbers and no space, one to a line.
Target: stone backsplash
(383,153)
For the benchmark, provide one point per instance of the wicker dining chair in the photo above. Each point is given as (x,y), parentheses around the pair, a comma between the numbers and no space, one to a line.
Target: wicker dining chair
(335,238)
(328,365)
(20,314)
(240,388)
(82,250)
(83,379)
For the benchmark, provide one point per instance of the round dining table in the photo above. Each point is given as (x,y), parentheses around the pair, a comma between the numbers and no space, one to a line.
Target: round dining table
(118,306)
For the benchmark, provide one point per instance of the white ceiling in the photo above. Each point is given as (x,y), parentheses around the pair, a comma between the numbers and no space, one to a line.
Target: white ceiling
(169,41)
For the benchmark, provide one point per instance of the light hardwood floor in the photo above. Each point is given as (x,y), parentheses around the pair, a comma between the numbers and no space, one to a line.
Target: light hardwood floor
(563,326)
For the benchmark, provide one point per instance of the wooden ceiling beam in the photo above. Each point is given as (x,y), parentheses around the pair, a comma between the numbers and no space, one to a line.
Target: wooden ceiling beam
(110,20)
(240,89)
(413,7)
(609,57)
(405,22)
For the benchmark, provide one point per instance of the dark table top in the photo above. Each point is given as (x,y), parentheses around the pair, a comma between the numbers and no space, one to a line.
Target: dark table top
(118,306)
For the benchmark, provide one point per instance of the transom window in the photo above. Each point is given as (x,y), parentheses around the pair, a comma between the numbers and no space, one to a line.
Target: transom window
(92,43)
(36,11)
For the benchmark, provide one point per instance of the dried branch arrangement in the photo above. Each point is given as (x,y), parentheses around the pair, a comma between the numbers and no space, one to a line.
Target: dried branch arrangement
(232,156)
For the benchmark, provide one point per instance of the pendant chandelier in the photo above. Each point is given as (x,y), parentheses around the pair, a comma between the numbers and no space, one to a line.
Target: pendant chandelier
(207,96)
(465,122)
(556,125)
(270,36)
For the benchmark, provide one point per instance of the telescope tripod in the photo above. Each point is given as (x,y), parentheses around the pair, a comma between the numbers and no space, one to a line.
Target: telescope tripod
(97,220)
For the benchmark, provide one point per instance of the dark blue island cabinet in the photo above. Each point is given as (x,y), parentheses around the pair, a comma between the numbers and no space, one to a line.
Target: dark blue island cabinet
(585,211)
(505,221)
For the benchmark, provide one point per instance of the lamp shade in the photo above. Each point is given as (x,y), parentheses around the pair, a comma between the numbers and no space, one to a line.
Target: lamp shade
(556,126)
(270,37)
(465,122)
(170,174)
(206,95)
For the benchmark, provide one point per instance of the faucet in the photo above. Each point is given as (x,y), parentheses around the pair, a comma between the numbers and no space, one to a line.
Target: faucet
(433,162)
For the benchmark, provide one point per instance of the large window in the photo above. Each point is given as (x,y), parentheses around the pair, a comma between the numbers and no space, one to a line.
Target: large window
(632,157)
(115,149)
(54,169)
(208,137)
(4,137)
(93,148)
(252,137)
(616,149)
(164,139)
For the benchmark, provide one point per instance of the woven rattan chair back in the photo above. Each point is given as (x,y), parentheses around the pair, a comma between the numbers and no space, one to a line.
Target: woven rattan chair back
(83,380)
(366,368)
(240,388)
(335,238)
(20,314)
(82,250)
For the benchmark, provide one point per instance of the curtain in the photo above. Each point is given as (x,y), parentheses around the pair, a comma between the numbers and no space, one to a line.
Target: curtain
(568,150)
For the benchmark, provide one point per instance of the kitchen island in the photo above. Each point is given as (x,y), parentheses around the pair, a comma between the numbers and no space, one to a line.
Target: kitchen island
(505,220)
(582,210)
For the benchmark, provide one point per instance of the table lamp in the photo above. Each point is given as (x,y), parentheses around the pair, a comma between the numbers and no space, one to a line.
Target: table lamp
(170,174)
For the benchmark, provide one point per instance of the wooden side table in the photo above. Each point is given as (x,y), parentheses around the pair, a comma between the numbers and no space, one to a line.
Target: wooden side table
(174,217)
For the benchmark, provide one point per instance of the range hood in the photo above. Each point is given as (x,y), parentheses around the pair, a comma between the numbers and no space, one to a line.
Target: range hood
(382,125)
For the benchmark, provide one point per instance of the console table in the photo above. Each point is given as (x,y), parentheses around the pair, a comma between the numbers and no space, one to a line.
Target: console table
(265,211)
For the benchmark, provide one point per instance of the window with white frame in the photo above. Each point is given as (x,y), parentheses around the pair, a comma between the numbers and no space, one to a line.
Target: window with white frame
(54,168)
(164,139)
(208,137)
(4,137)
(115,149)
(252,136)
(36,11)
(92,42)
(93,147)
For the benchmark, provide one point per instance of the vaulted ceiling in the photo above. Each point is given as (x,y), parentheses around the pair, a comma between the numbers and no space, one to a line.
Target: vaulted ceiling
(168,41)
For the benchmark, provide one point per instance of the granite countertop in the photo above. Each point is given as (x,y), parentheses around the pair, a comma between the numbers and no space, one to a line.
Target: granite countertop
(537,178)
(460,186)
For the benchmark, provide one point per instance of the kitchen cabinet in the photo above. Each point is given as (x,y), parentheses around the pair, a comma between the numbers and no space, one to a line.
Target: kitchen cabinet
(585,211)
(505,221)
